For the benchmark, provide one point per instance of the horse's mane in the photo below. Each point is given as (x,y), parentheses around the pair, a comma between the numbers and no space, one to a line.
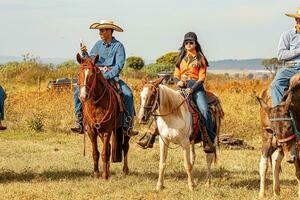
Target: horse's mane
(169,100)
(293,87)
(295,81)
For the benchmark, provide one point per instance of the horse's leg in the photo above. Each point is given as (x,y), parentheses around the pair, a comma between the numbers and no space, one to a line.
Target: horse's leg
(276,162)
(105,155)
(125,150)
(187,163)
(93,138)
(193,154)
(263,168)
(297,167)
(209,159)
(162,162)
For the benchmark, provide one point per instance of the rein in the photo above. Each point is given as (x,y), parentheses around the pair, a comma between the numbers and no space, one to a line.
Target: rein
(156,103)
(111,104)
(291,137)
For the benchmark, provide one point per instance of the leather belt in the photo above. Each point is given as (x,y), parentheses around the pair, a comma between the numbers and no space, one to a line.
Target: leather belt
(291,63)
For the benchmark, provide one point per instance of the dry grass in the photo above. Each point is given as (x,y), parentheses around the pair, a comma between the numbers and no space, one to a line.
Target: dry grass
(50,165)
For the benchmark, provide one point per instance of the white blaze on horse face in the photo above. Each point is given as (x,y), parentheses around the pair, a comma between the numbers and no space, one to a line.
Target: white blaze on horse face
(83,93)
(144,94)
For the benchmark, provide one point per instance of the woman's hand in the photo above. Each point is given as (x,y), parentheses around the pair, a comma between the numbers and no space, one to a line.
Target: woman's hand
(189,91)
(180,84)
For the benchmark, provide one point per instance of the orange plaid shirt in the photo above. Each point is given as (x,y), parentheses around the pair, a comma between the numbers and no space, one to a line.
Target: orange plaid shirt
(190,67)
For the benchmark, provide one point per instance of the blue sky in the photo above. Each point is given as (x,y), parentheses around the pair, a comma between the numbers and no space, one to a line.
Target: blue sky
(237,29)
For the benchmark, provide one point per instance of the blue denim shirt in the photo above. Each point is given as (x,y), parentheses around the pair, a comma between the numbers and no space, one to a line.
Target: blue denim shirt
(111,55)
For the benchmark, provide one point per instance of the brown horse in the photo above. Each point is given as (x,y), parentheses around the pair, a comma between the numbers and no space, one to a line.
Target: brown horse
(101,115)
(278,136)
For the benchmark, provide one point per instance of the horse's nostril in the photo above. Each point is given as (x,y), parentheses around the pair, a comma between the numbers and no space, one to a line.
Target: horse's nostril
(144,118)
(291,159)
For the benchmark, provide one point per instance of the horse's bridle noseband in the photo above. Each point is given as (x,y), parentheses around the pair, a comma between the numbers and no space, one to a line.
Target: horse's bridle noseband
(284,140)
(155,105)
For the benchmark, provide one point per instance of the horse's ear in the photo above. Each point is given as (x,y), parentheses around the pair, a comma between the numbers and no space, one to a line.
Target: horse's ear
(145,80)
(263,105)
(79,59)
(158,81)
(95,60)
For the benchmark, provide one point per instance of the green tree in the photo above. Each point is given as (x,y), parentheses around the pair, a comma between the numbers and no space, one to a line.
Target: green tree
(169,58)
(135,62)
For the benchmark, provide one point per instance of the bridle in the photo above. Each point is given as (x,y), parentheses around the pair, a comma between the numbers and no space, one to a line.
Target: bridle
(107,88)
(152,109)
(90,88)
(289,138)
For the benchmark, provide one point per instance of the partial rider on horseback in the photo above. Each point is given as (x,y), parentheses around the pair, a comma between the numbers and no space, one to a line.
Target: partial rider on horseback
(190,74)
(111,62)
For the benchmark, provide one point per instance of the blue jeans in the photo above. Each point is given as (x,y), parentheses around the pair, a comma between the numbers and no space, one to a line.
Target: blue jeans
(200,98)
(1,103)
(128,101)
(281,83)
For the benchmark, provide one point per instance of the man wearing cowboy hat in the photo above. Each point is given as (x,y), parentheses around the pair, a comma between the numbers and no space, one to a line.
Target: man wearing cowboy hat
(111,62)
(289,53)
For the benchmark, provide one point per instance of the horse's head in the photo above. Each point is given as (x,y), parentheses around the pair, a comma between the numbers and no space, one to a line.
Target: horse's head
(282,126)
(149,99)
(87,76)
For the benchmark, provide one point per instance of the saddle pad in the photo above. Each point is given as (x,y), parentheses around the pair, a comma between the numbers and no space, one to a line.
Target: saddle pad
(196,120)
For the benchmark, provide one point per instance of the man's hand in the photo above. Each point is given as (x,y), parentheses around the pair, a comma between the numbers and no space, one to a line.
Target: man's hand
(104,68)
(82,47)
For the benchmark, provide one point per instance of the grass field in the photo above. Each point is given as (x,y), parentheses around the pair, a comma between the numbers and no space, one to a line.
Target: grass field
(51,165)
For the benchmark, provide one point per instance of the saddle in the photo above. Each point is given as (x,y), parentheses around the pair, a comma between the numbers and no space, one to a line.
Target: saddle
(199,129)
(119,94)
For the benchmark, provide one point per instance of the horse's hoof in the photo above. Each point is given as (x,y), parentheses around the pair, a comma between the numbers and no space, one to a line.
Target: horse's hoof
(105,176)
(191,187)
(159,187)
(207,184)
(126,170)
(261,195)
(96,174)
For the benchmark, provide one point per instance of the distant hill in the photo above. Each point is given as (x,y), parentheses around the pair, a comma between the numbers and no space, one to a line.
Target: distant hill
(246,64)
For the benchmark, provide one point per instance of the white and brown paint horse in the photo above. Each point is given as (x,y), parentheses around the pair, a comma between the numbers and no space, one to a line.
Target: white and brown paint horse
(174,122)
(278,137)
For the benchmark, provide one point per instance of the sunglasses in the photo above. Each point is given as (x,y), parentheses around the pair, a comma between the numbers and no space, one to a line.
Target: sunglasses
(189,42)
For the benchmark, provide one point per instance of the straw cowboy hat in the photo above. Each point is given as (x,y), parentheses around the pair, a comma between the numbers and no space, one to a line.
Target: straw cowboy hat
(106,24)
(297,15)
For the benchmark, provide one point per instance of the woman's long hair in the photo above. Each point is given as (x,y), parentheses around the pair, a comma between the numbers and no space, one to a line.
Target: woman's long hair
(182,53)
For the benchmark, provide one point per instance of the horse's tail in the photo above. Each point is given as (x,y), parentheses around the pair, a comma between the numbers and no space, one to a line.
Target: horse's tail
(218,117)
(117,145)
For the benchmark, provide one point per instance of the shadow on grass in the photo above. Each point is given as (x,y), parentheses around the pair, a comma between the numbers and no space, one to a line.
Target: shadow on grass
(11,176)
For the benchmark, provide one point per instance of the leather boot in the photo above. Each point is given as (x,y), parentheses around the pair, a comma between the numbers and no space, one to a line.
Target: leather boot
(78,125)
(2,128)
(130,132)
(146,141)
(208,148)
(77,129)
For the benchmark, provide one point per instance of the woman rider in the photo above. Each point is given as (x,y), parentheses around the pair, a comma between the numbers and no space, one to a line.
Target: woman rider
(190,72)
